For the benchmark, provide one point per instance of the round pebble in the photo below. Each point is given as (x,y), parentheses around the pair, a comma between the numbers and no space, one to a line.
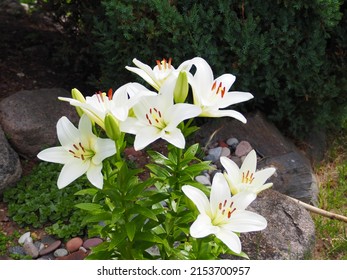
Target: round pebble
(243,148)
(60,252)
(232,142)
(74,244)
(215,153)
(225,152)
(92,242)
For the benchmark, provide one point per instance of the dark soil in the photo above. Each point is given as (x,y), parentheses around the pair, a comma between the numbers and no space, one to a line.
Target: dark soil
(30,48)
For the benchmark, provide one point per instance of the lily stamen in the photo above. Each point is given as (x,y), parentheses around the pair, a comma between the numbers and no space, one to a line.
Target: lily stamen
(155,116)
(110,94)
(248,177)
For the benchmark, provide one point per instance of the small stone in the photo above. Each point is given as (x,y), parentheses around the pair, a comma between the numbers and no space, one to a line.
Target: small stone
(74,244)
(232,142)
(30,249)
(52,247)
(215,153)
(78,255)
(202,179)
(39,245)
(83,249)
(225,152)
(92,242)
(17,250)
(24,237)
(243,148)
(60,252)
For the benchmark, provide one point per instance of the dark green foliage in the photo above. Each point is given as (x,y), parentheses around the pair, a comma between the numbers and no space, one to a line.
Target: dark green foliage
(277,49)
(290,54)
(36,201)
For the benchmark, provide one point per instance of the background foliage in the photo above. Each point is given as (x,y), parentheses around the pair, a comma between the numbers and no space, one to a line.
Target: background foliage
(290,54)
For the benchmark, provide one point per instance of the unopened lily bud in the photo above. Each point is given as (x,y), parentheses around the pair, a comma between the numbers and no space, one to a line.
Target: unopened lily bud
(76,94)
(181,88)
(112,127)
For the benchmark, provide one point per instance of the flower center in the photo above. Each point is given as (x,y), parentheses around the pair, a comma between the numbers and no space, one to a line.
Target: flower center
(247,178)
(164,65)
(79,151)
(220,89)
(154,117)
(102,95)
(224,212)
(163,69)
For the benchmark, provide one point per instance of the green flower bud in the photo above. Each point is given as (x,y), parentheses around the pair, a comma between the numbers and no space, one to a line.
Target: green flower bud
(112,127)
(76,94)
(181,88)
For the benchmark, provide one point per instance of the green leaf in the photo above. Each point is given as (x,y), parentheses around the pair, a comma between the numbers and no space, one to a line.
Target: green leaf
(89,191)
(191,151)
(159,171)
(97,218)
(130,228)
(150,237)
(158,157)
(137,209)
(91,207)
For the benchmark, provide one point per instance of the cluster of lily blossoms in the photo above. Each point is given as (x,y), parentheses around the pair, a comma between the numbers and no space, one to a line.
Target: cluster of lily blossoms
(157,113)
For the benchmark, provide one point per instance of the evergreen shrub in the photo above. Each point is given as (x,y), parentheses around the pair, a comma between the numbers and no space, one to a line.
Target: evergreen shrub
(279,50)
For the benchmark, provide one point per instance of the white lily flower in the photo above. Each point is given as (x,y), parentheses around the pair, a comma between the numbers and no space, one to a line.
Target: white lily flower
(118,103)
(81,152)
(160,73)
(223,215)
(158,117)
(246,178)
(213,94)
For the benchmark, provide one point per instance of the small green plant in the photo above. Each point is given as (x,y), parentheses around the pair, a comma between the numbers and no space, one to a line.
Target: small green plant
(36,201)
(6,241)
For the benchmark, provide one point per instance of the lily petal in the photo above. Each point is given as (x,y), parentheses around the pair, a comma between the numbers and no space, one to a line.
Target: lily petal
(261,176)
(214,113)
(94,175)
(219,192)
(103,148)
(54,154)
(175,137)
(71,171)
(243,199)
(250,163)
(198,198)
(67,132)
(245,221)
(203,227)
(146,136)
(230,239)
(234,97)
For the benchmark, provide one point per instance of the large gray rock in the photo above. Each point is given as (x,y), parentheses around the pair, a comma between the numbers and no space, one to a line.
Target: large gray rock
(29,119)
(10,167)
(294,175)
(290,233)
